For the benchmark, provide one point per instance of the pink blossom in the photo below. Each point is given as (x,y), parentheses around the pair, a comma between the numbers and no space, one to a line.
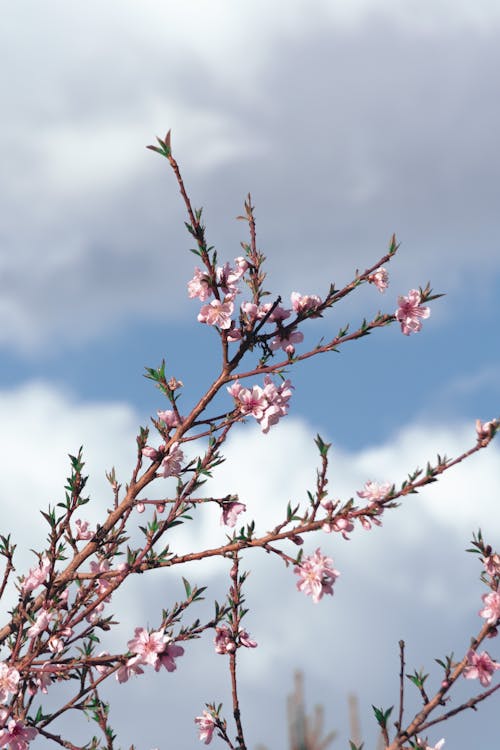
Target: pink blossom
(316,575)
(286,343)
(217,313)
(206,726)
(230,512)
(380,278)
(410,312)
(245,639)
(17,735)
(171,465)
(199,286)
(82,530)
(303,303)
(103,584)
(41,623)
(234,334)
(229,276)
(374,491)
(9,680)
(492,565)
(224,641)
(235,389)
(43,678)
(166,658)
(147,645)
(169,417)
(140,507)
(131,667)
(251,310)
(56,642)
(344,525)
(491,609)
(36,576)
(153,453)
(277,398)
(278,315)
(485,431)
(102,668)
(253,401)
(480,666)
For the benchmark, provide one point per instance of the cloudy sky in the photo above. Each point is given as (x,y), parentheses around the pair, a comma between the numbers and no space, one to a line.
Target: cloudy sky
(347,120)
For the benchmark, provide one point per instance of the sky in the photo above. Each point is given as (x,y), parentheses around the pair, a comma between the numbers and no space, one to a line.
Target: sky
(347,121)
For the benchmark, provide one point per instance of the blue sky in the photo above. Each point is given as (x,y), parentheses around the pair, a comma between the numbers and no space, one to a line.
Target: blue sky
(347,121)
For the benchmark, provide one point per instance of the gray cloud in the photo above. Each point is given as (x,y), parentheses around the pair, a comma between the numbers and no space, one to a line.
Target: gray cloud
(345,126)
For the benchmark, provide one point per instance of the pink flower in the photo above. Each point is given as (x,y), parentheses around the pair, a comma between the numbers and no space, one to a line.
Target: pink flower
(287,344)
(36,576)
(41,623)
(132,666)
(492,565)
(171,465)
(230,512)
(480,666)
(199,286)
(316,575)
(251,310)
(491,610)
(485,431)
(166,658)
(278,315)
(103,584)
(9,680)
(169,417)
(153,453)
(206,726)
(17,735)
(228,277)
(245,639)
(217,313)
(224,641)
(410,313)
(56,641)
(147,645)
(82,530)
(374,491)
(253,401)
(344,525)
(266,404)
(302,303)
(380,278)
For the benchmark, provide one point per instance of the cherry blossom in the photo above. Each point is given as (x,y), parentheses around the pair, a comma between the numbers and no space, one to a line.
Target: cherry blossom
(82,530)
(485,431)
(217,313)
(36,576)
(169,417)
(224,641)
(410,312)
(166,658)
(480,666)
(230,512)
(380,278)
(147,645)
(17,735)
(245,639)
(199,286)
(374,491)
(286,342)
(131,667)
(492,565)
(278,315)
(491,609)
(206,725)
(9,680)
(316,575)
(303,303)
(171,465)
(41,623)
(267,405)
